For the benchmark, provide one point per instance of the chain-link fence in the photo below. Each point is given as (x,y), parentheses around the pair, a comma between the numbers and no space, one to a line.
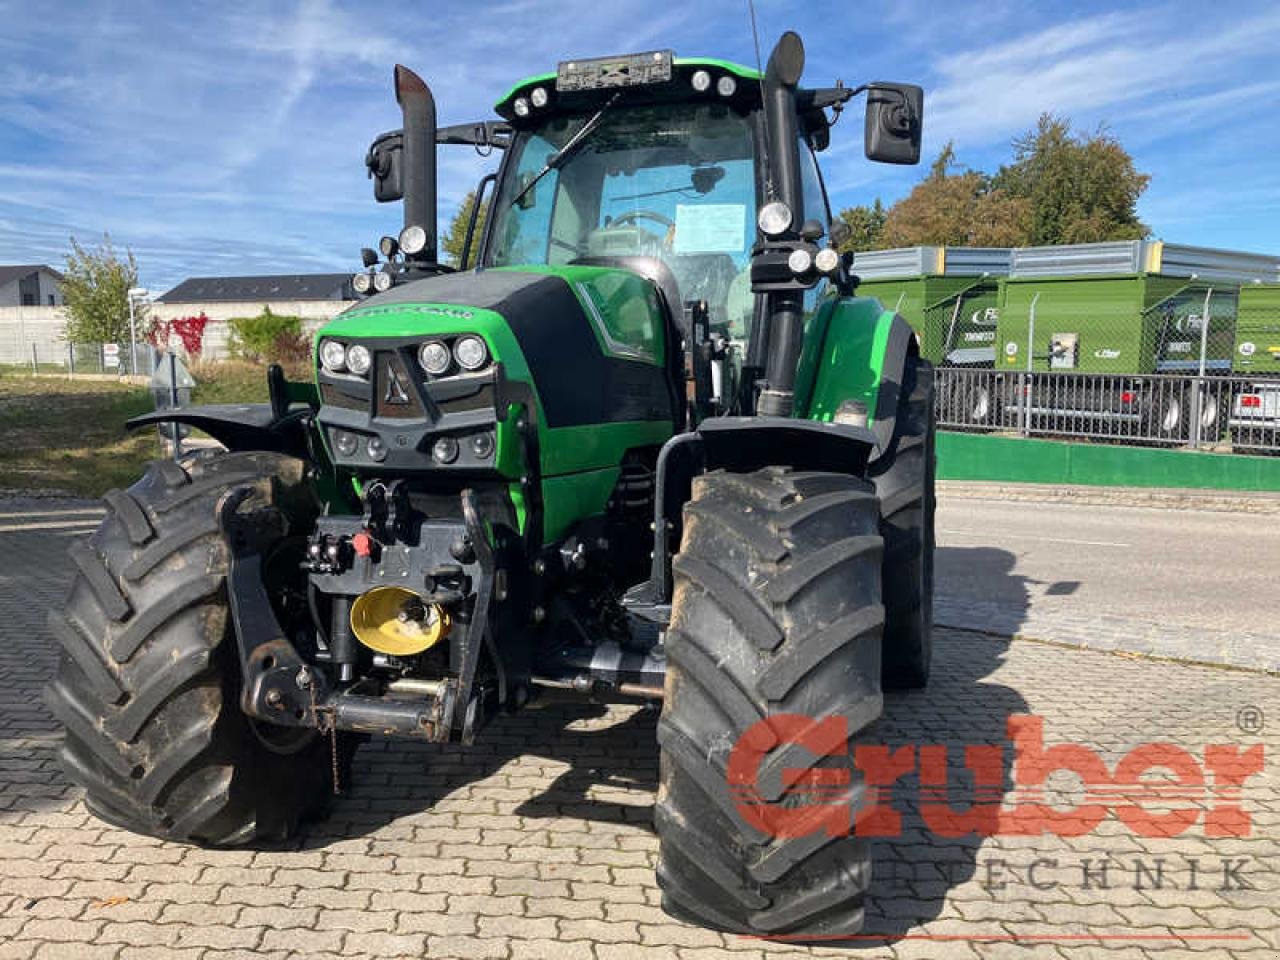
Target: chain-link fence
(50,356)
(1165,409)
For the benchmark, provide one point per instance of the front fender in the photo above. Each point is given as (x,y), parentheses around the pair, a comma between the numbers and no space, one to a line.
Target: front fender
(855,350)
(241,426)
(743,444)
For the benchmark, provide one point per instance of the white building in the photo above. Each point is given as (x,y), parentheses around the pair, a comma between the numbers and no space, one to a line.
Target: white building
(315,298)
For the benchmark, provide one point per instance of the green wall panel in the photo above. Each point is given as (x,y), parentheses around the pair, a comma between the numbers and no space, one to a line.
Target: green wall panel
(976,456)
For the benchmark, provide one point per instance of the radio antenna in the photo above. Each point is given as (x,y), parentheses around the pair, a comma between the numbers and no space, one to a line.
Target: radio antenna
(755,37)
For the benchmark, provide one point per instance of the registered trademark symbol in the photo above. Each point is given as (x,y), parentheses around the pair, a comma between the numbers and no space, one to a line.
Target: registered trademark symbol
(1250,719)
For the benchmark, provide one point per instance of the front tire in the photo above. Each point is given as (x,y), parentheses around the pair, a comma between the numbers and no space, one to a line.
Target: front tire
(147,688)
(776,611)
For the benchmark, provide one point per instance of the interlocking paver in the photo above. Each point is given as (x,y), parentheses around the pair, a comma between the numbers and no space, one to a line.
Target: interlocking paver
(538,843)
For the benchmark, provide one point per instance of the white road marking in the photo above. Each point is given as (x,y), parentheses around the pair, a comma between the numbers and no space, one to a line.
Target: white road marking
(996,536)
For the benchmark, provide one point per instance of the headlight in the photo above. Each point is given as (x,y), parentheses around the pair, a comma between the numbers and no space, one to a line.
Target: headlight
(800,261)
(358,359)
(445,450)
(726,86)
(413,239)
(382,281)
(701,80)
(345,443)
(333,356)
(376,449)
(388,246)
(539,97)
(470,352)
(435,357)
(521,107)
(774,218)
(362,283)
(827,260)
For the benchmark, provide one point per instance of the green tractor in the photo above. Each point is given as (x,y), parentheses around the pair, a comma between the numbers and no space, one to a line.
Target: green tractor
(649,449)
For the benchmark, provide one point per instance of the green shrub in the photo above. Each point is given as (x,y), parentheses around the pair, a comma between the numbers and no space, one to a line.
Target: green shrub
(267,338)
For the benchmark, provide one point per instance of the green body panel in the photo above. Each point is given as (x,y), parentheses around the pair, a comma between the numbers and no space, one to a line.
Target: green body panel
(579,464)
(1257,340)
(843,357)
(1121,324)
(950,334)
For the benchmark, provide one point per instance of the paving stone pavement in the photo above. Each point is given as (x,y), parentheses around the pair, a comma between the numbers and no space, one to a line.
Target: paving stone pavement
(538,842)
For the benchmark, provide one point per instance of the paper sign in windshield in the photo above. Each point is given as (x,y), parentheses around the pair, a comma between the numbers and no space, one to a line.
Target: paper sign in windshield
(710,228)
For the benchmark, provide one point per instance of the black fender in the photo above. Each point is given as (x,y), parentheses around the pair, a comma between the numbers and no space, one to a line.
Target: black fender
(241,426)
(901,346)
(740,444)
(282,425)
(743,444)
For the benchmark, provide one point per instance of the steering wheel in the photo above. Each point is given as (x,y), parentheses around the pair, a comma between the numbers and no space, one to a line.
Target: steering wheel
(633,215)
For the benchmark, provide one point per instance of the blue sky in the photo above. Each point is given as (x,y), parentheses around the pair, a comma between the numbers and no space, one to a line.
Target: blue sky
(222,138)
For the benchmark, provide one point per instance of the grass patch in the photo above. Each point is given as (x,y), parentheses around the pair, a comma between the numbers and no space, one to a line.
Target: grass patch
(69,435)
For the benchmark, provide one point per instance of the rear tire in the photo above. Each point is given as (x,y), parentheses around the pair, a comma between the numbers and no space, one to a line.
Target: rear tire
(147,689)
(904,479)
(776,611)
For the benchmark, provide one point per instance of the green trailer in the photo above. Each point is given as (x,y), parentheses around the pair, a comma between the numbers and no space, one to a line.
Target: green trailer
(949,295)
(1255,404)
(1124,312)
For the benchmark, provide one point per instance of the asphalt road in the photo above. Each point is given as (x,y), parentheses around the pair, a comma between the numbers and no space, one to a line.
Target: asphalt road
(1189,568)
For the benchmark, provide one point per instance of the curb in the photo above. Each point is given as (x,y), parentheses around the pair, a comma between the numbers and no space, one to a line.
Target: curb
(1244,501)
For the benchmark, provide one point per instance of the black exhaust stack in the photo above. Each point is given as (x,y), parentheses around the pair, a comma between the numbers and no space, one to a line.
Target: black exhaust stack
(418,164)
(785,309)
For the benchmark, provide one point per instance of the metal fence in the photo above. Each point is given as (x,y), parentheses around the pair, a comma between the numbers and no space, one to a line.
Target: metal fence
(80,359)
(1239,412)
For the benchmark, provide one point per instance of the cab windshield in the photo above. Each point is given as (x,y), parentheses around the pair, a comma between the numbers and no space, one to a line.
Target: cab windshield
(671,181)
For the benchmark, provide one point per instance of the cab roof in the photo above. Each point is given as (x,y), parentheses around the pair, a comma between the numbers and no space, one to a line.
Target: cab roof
(682,69)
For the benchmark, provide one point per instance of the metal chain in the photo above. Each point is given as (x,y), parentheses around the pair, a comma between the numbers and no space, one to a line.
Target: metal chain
(329,729)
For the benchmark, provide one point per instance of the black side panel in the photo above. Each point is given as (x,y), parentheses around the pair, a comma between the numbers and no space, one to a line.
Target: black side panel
(578,385)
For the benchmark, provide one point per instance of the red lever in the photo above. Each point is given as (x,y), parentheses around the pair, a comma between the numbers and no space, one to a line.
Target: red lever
(362,543)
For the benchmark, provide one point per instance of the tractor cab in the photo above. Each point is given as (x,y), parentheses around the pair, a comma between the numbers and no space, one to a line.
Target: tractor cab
(692,172)
(666,173)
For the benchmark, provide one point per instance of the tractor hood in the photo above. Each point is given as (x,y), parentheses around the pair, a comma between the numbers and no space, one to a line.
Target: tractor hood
(576,346)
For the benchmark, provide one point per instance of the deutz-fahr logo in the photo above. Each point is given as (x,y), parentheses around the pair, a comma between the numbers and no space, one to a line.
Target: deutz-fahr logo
(397,391)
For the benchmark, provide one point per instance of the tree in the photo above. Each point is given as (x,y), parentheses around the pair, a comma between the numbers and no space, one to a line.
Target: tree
(954,206)
(1080,188)
(866,224)
(95,293)
(455,238)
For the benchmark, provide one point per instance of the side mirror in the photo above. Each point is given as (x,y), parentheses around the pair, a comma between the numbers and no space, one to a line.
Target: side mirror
(384,164)
(895,120)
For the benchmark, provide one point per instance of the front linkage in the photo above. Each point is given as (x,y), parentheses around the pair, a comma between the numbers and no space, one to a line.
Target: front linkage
(281,687)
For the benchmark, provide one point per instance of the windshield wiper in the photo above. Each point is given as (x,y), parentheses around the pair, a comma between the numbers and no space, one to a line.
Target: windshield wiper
(565,153)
